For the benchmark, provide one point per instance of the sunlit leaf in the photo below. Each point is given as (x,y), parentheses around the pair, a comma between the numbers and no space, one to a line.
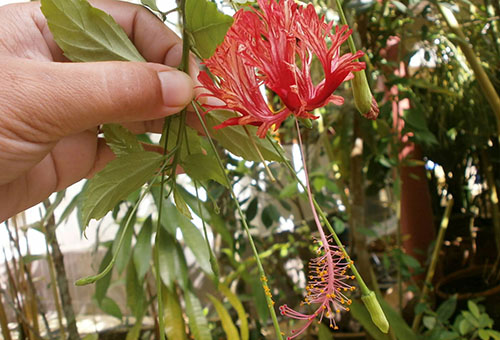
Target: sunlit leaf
(174,322)
(202,167)
(116,181)
(86,33)
(227,323)
(236,140)
(206,25)
(238,306)
(197,320)
(121,140)
(181,204)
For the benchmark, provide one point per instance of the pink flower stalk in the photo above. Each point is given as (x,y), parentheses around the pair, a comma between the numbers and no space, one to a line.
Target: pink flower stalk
(275,46)
(326,287)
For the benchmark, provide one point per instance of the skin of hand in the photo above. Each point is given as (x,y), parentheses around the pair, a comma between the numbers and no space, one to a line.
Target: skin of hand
(50,108)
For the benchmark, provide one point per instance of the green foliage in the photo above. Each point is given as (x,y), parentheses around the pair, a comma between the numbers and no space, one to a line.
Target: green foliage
(121,140)
(143,248)
(471,323)
(206,25)
(172,265)
(116,181)
(238,306)
(227,323)
(174,322)
(236,140)
(197,321)
(86,33)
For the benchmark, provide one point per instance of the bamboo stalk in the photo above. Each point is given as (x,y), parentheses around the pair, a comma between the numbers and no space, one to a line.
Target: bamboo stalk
(53,283)
(481,76)
(3,321)
(62,279)
(434,260)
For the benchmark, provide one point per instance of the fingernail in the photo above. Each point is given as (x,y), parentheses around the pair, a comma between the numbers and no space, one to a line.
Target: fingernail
(176,87)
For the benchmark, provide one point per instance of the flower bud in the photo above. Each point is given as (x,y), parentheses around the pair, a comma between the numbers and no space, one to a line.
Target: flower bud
(363,98)
(376,312)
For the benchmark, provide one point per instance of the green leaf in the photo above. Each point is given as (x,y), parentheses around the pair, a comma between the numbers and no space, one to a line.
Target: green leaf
(258,296)
(110,307)
(236,140)
(360,313)
(227,323)
(270,215)
(116,181)
(446,309)
(191,235)
(135,292)
(28,258)
(135,331)
(410,261)
(101,286)
(142,249)
(289,190)
(251,211)
(429,322)
(447,335)
(483,334)
(191,143)
(474,309)
(171,264)
(121,140)
(174,322)
(151,4)
(123,255)
(197,320)
(86,33)
(202,167)
(397,323)
(465,327)
(206,25)
(324,333)
(238,306)
(181,204)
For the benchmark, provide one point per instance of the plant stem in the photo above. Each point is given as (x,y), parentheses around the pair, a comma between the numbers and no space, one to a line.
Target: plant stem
(434,260)
(263,278)
(3,321)
(362,285)
(350,40)
(373,307)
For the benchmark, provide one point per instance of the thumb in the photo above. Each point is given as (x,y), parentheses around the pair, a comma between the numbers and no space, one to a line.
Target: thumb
(49,100)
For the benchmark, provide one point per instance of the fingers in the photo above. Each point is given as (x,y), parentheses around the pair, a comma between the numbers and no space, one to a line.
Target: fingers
(44,102)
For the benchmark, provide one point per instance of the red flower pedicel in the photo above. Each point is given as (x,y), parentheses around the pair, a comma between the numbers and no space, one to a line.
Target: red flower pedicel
(275,47)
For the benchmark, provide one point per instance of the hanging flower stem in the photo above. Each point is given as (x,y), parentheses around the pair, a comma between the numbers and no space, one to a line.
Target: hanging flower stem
(368,297)
(262,274)
(343,19)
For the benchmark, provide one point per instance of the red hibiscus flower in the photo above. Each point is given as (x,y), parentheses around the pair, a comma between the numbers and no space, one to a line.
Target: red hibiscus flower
(275,46)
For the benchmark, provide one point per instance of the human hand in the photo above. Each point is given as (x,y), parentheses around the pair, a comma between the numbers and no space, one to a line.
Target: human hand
(50,109)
